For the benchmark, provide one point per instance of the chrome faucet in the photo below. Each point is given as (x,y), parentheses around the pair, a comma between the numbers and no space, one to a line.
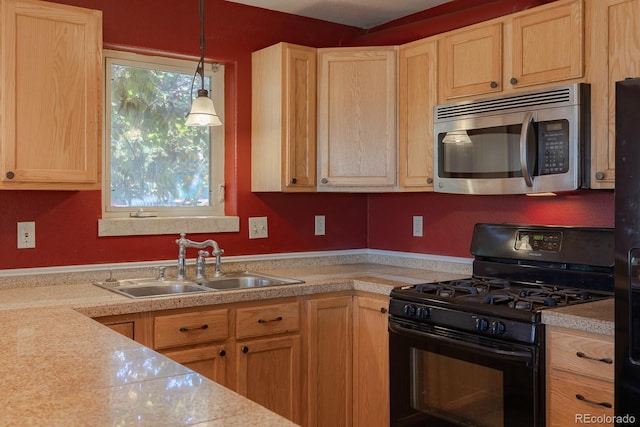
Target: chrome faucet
(184,243)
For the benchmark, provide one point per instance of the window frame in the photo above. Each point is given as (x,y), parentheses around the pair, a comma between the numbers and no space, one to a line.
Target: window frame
(216,159)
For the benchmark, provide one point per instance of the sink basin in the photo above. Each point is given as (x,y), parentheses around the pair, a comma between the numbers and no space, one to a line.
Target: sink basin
(147,288)
(246,280)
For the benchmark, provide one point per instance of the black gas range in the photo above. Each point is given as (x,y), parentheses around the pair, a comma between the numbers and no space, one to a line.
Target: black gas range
(484,332)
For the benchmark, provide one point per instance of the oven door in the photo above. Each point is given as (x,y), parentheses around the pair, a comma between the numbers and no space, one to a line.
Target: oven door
(443,377)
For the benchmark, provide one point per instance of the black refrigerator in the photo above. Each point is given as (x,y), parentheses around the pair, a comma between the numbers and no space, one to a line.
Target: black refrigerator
(627,253)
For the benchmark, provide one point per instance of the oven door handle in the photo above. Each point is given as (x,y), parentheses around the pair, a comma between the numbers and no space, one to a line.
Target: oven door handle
(516,355)
(524,149)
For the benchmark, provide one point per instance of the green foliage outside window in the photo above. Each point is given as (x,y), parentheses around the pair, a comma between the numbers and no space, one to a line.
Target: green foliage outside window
(155,159)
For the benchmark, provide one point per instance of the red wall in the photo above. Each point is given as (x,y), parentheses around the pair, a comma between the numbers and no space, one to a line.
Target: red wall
(66,222)
(449,218)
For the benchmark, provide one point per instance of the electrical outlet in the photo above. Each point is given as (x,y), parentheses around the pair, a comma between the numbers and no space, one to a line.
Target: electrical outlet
(319,225)
(26,235)
(417,226)
(258,228)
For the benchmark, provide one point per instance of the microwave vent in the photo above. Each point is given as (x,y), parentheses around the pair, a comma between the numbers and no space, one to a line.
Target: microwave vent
(561,96)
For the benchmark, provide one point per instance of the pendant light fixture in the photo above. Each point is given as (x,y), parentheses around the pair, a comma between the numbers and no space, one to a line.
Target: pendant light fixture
(202,111)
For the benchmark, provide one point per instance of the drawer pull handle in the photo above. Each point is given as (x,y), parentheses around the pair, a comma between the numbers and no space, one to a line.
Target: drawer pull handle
(277,319)
(184,329)
(584,399)
(606,360)
(245,349)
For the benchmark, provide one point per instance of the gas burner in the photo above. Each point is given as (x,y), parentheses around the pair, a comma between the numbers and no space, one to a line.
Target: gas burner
(560,296)
(449,290)
(520,301)
(462,287)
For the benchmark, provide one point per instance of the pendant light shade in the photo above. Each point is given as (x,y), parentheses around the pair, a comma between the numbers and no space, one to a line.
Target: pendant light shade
(202,113)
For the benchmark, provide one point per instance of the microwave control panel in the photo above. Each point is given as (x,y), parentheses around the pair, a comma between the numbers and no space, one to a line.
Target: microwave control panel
(553,147)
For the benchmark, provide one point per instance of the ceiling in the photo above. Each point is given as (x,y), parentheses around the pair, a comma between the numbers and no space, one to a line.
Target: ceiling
(356,13)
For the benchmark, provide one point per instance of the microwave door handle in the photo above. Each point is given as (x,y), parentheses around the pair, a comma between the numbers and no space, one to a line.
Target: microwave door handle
(524,142)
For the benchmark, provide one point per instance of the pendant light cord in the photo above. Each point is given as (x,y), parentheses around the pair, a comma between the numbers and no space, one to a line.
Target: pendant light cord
(200,67)
(201,64)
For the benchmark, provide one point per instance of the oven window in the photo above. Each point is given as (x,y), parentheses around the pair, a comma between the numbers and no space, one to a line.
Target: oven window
(481,153)
(456,390)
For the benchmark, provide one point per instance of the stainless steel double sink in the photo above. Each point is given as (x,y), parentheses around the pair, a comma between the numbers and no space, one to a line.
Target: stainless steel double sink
(148,287)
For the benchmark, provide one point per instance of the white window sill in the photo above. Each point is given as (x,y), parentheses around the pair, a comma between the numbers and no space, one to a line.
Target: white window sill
(167,225)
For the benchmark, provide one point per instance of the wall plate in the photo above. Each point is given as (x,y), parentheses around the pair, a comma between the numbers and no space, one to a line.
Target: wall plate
(258,228)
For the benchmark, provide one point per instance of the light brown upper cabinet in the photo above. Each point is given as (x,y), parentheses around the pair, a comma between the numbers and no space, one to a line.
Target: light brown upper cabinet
(539,46)
(613,40)
(283,119)
(51,104)
(418,86)
(357,103)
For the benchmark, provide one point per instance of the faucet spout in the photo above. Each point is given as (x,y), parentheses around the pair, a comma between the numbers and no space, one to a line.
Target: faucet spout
(184,243)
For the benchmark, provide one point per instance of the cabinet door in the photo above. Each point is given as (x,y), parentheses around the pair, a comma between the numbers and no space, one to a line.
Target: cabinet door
(417,97)
(547,44)
(269,373)
(329,364)
(283,118)
(357,98)
(209,361)
(614,47)
(136,326)
(51,104)
(470,61)
(370,362)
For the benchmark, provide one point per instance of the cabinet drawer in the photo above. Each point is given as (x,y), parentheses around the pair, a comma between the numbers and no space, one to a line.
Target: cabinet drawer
(582,353)
(175,330)
(573,397)
(267,320)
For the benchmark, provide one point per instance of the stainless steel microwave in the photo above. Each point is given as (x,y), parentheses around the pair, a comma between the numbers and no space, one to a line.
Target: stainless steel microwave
(533,142)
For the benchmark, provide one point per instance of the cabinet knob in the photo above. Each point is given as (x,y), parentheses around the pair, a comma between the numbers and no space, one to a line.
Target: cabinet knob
(294,180)
(324,180)
(222,353)
(10,175)
(599,176)
(493,85)
(513,81)
(429,180)
(383,310)
(245,349)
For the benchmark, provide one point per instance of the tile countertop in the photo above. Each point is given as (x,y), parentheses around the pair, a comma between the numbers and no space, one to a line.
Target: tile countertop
(59,367)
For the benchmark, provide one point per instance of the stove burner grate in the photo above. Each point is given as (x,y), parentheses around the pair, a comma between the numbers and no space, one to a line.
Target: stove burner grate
(460,287)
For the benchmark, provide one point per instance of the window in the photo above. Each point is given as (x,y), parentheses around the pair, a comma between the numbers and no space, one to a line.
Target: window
(154,164)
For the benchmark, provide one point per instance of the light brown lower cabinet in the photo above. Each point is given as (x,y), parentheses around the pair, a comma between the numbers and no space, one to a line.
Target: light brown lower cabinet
(269,372)
(580,372)
(339,377)
(348,362)
(329,361)
(136,326)
(211,361)
(370,361)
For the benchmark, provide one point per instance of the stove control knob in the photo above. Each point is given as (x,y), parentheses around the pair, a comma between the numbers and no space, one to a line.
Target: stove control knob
(409,310)
(422,313)
(498,328)
(481,324)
